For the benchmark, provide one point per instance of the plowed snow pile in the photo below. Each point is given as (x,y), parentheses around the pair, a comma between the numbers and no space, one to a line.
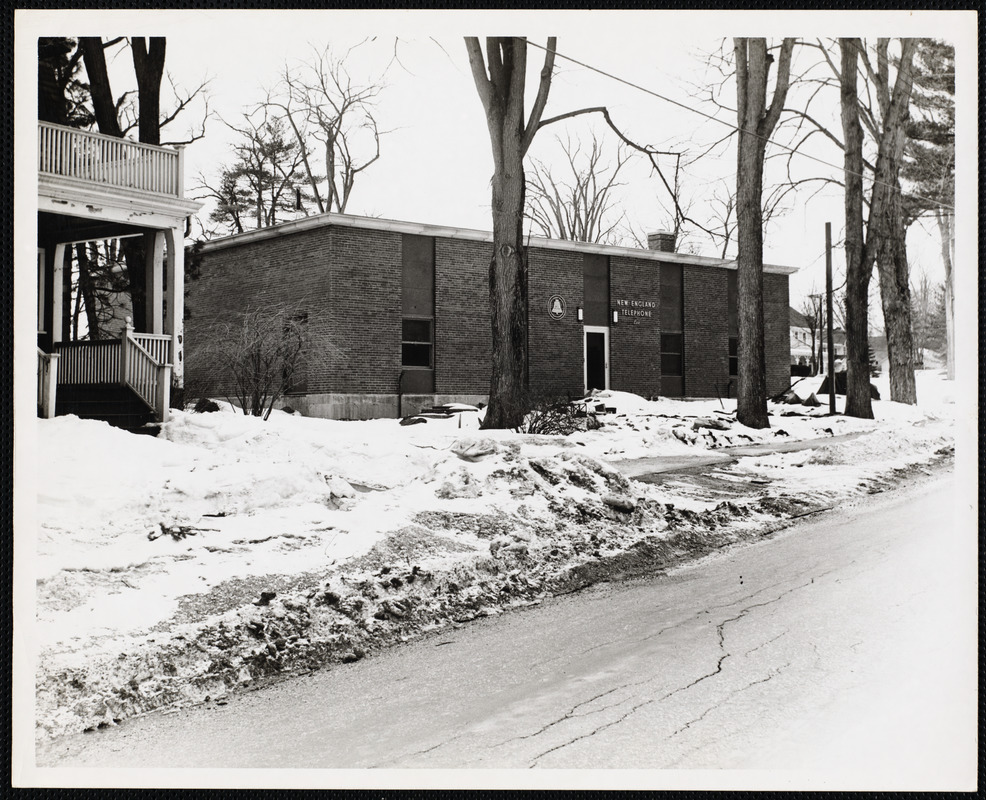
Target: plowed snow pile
(175,569)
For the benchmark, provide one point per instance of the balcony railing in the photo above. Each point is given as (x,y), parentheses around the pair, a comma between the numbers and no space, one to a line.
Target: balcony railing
(94,157)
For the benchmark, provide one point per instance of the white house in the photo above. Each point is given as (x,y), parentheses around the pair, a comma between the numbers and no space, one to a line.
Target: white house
(93,187)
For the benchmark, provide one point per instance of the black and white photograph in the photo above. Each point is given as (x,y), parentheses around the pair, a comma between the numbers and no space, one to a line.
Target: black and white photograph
(496,399)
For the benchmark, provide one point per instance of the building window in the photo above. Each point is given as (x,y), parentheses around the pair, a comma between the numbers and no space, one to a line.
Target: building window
(672,354)
(595,289)
(417,341)
(733,356)
(672,330)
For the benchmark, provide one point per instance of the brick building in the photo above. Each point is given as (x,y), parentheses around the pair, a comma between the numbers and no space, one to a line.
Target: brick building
(398,316)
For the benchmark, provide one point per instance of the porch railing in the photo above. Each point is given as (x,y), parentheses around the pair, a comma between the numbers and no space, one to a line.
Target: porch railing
(47,383)
(89,362)
(94,157)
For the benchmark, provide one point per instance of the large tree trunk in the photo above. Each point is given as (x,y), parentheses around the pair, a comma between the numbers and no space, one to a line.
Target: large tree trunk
(502,94)
(103,102)
(756,123)
(858,265)
(895,296)
(751,396)
(886,231)
(508,294)
(105,107)
(87,289)
(149,69)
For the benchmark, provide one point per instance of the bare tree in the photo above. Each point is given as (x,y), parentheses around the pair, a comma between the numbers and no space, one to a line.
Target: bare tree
(880,114)
(722,214)
(757,121)
(500,80)
(330,113)
(928,301)
(886,226)
(858,266)
(578,205)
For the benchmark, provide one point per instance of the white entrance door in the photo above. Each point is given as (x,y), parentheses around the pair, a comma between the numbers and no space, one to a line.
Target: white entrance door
(595,362)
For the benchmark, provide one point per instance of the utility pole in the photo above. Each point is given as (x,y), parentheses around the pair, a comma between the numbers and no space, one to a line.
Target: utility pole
(828,312)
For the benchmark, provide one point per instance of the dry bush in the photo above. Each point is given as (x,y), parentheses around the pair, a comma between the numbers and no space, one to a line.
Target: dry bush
(556,416)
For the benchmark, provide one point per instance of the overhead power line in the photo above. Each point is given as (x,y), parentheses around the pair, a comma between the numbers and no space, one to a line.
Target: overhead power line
(729,125)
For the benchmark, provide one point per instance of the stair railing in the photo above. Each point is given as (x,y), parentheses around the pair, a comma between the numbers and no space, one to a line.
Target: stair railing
(158,345)
(143,373)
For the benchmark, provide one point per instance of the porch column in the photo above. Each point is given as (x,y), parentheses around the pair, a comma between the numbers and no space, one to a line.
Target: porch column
(57,294)
(176,299)
(153,280)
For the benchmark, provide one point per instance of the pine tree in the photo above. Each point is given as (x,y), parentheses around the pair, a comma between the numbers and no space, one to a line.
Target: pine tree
(62,96)
(874,364)
(929,162)
(258,188)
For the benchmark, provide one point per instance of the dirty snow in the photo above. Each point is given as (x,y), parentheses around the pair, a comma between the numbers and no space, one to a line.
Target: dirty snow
(151,544)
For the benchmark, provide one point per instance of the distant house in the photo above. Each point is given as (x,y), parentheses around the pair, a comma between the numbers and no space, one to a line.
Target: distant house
(803,344)
(807,342)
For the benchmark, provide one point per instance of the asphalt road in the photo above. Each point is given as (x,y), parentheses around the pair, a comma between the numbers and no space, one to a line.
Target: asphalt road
(643,469)
(841,652)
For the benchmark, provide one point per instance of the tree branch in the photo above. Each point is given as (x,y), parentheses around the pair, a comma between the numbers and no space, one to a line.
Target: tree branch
(533,121)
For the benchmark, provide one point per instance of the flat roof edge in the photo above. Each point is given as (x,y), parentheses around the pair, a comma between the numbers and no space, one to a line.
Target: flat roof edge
(470,234)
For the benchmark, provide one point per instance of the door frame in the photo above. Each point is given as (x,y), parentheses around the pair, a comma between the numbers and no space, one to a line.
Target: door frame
(604,330)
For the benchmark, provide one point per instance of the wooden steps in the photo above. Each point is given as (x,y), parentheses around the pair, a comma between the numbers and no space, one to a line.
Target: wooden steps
(118,405)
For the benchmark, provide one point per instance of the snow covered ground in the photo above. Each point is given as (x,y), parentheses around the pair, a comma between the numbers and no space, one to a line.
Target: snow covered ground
(228,549)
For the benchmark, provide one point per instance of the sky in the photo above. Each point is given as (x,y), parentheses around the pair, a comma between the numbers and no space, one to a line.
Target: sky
(435,160)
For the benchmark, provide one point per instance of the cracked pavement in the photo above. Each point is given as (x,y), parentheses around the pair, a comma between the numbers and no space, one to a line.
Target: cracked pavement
(828,647)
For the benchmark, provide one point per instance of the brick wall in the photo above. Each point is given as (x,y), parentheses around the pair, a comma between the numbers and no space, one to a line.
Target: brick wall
(777,332)
(706,331)
(250,276)
(635,341)
(348,283)
(462,317)
(555,345)
(361,317)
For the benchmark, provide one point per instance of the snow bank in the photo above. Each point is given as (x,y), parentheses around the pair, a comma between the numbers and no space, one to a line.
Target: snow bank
(146,540)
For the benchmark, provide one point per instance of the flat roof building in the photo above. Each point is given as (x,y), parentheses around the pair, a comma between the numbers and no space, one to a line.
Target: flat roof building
(398,318)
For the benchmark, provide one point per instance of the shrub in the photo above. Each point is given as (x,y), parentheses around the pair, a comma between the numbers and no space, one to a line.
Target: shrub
(556,416)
